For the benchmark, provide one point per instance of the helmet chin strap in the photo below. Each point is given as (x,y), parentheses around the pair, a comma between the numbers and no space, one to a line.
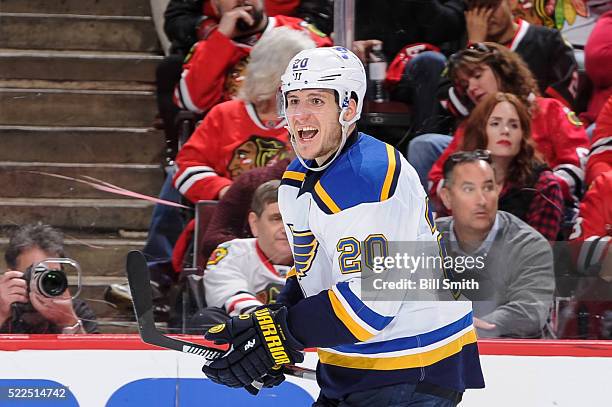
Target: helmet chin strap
(345,126)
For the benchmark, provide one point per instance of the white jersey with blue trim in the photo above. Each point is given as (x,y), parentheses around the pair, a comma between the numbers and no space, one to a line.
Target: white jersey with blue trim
(367,197)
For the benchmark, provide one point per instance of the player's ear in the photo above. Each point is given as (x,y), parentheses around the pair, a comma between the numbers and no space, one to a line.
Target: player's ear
(351,110)
(253,218)
(445,196)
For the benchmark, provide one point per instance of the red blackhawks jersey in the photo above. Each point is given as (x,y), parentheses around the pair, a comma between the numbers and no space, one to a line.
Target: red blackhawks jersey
(593,229)
(239,276)
(230,140)
(560,138)
(214,68)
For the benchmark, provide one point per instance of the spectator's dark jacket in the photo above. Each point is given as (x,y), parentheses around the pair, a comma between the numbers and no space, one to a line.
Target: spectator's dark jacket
(401,22)
(319,13)
(180,21)
(551,59)
(182,17)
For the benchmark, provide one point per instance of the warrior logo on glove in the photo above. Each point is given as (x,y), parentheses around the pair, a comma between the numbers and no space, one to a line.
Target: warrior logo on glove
(260,343)
(270,333)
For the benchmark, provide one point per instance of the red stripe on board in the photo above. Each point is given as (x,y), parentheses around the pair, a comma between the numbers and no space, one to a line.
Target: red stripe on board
(84,342)
(535,347)
(513,347)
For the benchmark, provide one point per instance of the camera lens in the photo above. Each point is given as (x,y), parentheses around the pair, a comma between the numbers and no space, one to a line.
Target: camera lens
(52,283)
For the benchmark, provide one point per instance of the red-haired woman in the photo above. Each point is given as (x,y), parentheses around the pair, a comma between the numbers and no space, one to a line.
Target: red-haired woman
(501,123)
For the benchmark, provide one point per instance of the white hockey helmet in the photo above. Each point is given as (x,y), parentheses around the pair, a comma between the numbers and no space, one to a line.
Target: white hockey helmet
(334,68)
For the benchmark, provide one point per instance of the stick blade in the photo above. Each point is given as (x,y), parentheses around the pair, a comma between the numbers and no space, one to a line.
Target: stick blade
(140,285)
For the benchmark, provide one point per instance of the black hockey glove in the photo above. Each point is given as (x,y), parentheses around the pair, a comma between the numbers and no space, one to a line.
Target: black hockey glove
(274,377)
(260,345)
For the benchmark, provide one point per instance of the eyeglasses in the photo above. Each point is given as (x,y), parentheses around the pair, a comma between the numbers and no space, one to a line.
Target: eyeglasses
(478,46)
(462,156)
(474,50)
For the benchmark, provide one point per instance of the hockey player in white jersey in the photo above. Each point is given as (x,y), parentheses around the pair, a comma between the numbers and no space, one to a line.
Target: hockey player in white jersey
(345,194)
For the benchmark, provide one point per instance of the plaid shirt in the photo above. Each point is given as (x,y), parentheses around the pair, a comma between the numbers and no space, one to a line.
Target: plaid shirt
(545,211)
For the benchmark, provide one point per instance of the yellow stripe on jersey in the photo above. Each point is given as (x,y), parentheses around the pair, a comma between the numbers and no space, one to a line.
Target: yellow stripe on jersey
(294,175)
(357,331)
(291,273)
(326,198)
(399,362)
(384,193)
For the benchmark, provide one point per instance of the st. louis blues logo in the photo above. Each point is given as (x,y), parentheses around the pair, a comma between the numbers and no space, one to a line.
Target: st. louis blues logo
(305,248)
(343,52)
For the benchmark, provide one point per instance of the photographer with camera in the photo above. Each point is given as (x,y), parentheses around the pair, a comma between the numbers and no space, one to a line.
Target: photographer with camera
(34,295)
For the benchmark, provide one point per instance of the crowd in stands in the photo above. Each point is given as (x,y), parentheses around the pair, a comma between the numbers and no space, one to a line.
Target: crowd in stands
(557,134)
(498,138)
(496,141)
(495,89)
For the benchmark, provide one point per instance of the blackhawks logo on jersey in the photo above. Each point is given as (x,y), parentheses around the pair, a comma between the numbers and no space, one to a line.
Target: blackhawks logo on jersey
(312,29)
(217,255)
(255,152)
(571,117)
(305,247)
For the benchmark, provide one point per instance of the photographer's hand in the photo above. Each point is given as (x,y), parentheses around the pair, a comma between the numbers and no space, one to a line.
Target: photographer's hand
(227,25)
(57,310)
(12,289)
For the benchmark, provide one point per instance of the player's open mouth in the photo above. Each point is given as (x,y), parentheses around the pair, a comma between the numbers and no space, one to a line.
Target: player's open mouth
(307,133)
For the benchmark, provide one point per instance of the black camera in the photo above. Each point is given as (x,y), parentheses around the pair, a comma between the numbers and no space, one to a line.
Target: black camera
(49,282)
(50,279)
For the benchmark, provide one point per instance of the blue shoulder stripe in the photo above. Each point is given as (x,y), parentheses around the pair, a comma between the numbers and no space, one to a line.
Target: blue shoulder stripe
(369,316)
(394,167)
(323,200)
(410,342)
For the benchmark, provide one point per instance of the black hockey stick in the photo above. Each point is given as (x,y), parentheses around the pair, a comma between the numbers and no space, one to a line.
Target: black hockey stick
(140,287)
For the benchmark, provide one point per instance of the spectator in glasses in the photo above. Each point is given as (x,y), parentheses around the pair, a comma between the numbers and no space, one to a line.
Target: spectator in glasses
(501,124)
(516,279)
